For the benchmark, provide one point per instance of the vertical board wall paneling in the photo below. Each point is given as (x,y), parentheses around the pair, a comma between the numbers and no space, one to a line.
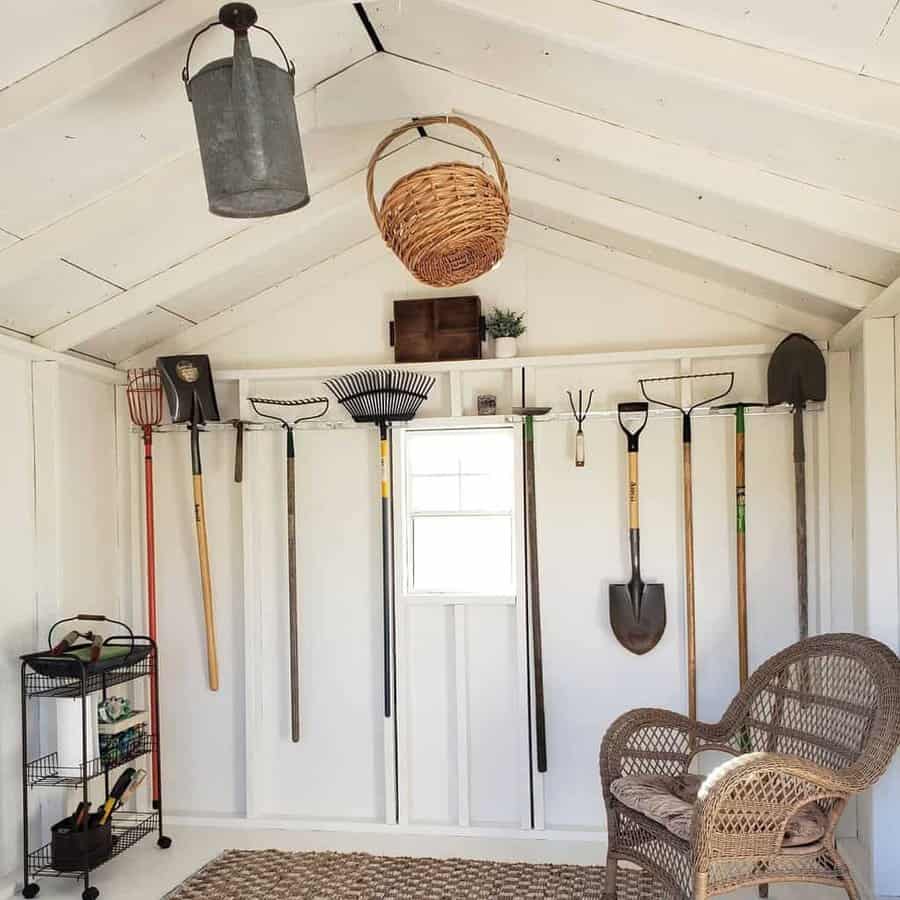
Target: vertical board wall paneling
(18,631)
(337,772)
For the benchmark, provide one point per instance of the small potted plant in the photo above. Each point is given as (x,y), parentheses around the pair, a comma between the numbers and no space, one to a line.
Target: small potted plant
(504,326)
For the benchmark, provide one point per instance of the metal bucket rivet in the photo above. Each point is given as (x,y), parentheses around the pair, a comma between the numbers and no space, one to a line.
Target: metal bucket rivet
(247,126)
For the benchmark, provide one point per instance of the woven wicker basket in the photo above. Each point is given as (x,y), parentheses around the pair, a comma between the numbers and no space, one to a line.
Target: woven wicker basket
(447,223)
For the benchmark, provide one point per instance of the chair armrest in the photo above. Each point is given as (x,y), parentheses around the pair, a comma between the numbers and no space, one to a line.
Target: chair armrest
(651,742)
(744,805)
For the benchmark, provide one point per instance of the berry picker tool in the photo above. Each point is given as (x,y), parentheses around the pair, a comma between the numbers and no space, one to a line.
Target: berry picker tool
(145,405)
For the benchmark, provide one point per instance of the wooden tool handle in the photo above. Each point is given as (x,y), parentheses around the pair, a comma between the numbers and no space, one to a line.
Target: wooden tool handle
(689,581)
(633,514)
(800,491)
(206,584)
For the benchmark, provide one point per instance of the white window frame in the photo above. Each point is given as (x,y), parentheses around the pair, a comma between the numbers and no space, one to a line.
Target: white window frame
(403,521)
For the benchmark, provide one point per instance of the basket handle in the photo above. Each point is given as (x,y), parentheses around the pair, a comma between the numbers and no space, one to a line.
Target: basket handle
(431,120)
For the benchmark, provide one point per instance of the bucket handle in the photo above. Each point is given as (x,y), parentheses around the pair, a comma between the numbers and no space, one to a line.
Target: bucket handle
(185,73)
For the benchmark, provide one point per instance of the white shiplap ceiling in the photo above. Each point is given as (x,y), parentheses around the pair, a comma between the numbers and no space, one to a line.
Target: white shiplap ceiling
(752,146)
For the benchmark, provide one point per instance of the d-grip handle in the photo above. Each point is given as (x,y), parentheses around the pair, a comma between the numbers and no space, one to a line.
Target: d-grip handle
(635,406)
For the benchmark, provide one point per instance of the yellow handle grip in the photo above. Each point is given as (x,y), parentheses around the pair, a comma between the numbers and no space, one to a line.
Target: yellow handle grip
(385,470)
(206,584)
(633,490)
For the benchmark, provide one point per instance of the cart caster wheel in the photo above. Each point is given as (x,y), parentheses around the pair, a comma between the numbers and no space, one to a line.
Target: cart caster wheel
(31,890)
(90,894)
(164,843)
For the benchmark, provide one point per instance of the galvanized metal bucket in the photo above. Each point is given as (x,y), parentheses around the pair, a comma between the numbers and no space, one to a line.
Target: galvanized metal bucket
(247,126)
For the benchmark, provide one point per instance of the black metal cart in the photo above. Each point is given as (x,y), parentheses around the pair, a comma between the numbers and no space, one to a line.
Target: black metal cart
(68,675)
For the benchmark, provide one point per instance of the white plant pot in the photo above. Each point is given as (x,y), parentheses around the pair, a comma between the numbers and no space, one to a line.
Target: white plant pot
(505,347)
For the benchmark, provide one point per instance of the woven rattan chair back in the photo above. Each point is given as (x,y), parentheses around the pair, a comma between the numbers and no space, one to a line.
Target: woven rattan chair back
(832,700)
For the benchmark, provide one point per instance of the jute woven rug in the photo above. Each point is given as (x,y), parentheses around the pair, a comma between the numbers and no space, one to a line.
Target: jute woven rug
(277,875)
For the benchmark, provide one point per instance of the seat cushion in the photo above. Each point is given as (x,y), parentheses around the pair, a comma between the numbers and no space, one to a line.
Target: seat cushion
(669,801)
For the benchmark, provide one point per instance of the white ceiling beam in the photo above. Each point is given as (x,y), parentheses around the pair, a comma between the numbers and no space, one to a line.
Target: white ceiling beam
(631,268)
(885,305)
(96,60)
(330,206)
(645,233)
(113,51)
(265,304)
(632,229)
(702,291)
(597,26)
(388,87)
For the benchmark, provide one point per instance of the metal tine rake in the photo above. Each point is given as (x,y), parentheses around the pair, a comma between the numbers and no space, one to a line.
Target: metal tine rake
(293,611)
(690,600)
(145,405)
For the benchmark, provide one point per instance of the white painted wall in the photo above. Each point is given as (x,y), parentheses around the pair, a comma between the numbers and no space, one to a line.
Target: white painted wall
(336,772)
(76,571)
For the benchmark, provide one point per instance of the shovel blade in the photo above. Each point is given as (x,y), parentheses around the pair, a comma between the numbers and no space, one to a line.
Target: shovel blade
(188,384)
(637,626)
(796,371)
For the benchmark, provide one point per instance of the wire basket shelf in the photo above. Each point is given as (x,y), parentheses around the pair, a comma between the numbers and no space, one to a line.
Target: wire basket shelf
(127,829)
(47,772)
(37,685)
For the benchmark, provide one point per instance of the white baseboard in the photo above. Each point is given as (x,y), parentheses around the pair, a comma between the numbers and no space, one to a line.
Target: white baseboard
(356,827)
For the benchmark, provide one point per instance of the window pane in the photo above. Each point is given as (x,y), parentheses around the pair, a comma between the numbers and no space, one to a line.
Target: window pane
(463,554)
(434,493)
(487,493)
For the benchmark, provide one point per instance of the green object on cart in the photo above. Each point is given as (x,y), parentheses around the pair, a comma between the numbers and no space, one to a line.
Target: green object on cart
(110,651)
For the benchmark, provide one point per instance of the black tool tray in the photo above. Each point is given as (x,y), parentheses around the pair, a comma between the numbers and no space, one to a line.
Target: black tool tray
(118,651)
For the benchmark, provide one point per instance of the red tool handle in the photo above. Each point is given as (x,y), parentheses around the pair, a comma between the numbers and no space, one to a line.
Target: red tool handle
(151,593)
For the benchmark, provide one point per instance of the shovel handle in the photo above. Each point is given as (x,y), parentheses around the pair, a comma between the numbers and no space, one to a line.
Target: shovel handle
(633,514)
(206,584)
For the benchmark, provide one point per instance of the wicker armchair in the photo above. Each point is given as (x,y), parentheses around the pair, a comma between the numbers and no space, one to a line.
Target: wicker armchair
(815,725)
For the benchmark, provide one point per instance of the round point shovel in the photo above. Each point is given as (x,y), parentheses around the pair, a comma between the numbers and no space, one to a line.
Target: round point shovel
(637,611)
(797,375)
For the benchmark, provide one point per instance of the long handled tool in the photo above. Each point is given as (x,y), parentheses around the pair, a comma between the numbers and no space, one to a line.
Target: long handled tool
(319,407)
(740,506)
(383,396)
(637,611)
(144,393)
(534,581)
(796,376)
(687,475)
(191,395)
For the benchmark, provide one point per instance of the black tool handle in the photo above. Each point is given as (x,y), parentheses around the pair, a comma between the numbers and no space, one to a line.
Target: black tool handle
(534,585)
(293,611)
(636,406)
(239,453)
(800,489)
(387,581)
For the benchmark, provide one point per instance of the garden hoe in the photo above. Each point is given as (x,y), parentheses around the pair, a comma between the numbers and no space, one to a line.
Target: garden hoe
(189,389)
(637,611)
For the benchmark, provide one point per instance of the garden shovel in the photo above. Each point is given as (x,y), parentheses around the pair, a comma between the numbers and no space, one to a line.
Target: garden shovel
(637,611)
(189,389)
(796,376)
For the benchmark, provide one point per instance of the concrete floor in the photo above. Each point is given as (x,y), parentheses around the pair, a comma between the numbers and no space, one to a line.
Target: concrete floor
(148,873)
